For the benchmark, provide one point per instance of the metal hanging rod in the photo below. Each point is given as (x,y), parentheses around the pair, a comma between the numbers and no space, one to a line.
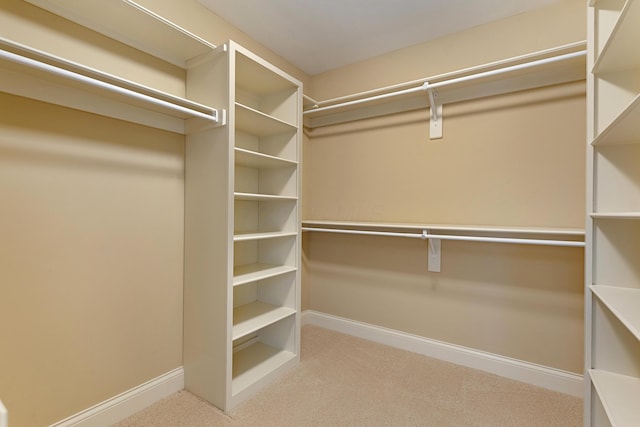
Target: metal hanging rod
(429,86)
(426,235)
(138,97)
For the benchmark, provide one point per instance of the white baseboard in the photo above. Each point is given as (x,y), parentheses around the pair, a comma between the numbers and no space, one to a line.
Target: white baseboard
(541,376)
(128,403)
(4,417)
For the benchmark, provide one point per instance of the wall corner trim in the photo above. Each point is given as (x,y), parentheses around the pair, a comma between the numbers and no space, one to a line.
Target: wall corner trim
(128,403)
(537,375)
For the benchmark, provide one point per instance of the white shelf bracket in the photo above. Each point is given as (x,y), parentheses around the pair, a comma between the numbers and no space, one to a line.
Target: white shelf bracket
(433,255)
(435,107)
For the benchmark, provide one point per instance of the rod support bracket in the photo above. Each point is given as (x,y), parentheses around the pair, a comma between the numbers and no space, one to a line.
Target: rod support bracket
(435,116)
(434,253)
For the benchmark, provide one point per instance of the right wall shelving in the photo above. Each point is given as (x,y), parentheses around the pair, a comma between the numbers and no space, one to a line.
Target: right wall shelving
(613,228)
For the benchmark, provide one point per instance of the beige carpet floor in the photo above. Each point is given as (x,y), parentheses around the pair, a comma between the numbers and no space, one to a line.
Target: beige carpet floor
(347,381)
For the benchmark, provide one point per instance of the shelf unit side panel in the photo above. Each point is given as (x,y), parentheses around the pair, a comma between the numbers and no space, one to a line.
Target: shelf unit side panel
(207,245)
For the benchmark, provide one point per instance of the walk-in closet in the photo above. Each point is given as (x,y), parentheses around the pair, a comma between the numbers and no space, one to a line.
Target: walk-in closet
(300,213)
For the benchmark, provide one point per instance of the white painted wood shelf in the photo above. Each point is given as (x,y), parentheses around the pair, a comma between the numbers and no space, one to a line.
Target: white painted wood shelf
(616,215)
(558,65)
(622,39)
(252,317)
(573,233)
(253,272)
(256,122)
(623,303)
(257,361)
(262,197)
(619,397)
(134,25)
(624,128)
(262,236)
(44,77)
(259,160)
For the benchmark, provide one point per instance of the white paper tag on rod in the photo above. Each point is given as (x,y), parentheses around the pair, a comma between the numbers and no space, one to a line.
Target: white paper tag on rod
(434,255)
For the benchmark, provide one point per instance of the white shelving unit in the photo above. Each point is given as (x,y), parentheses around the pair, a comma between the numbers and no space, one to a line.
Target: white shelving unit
(242,280)
(613,224)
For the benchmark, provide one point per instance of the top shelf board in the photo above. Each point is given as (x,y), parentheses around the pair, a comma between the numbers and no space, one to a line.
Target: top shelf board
(520,73)
(133,25)
(255,76)
(33,74)
(623,39)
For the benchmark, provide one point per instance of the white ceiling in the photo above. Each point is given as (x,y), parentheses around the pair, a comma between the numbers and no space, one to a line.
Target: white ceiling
(319,35)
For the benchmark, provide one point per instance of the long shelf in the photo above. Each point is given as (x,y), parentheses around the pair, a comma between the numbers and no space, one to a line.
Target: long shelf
(34,74)
(567,232)
(258,160)
(254,272)
(559,65)
(623,39)
(255,362)
(242,237)
(252,317)
(624,303)
(262,197)
(619,396)
(624,129)
(258,123)
(616,215)
(134,25)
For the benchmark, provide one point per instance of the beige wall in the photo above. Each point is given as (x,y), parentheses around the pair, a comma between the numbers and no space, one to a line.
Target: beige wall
(91,227)
(512,160)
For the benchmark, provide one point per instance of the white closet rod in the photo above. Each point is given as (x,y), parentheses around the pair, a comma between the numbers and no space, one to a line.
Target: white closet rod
(426,85)
(425,235)
(69,75)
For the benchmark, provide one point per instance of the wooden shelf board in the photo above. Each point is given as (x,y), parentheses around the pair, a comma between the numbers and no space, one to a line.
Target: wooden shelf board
(258,123)
(615,55)
(616,215)
(252,317)
(254,272)
(619,396)
(258,160)
(624,303)
(256,362)
(370,104)
(624,129)
(257,77)
(134,25)
(262,197)
(260,236)
(573,232)
(36,75)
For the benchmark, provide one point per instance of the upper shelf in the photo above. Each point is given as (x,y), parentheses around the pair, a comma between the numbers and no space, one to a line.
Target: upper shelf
(544,68)
(132,24)
(623,39)
(624,129)
(37,75)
